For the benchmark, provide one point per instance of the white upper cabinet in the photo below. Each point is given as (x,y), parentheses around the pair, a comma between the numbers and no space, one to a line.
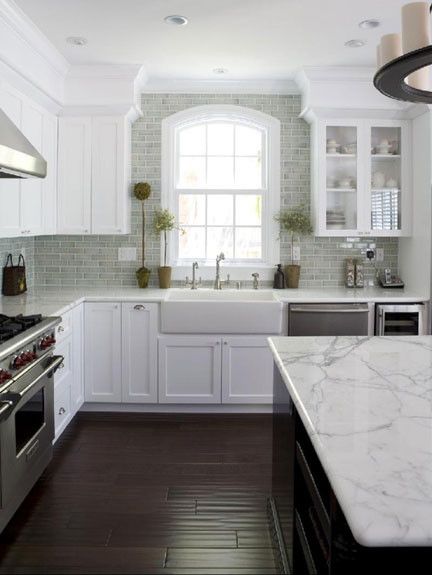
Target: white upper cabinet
(32,188)
(110,190)
(30,202)
(94,175)
(361,177)
(74,176)
(10,189)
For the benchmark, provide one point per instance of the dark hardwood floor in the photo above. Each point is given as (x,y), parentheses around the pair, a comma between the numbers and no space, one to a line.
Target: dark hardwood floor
(149,494)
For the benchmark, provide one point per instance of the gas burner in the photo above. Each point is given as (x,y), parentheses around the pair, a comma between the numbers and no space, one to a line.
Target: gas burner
(12,326)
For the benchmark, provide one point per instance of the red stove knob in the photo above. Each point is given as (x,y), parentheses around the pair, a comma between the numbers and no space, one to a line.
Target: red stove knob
(4,376)
(17,362)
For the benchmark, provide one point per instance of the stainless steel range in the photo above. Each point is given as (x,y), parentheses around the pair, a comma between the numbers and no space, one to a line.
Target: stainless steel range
(27,366)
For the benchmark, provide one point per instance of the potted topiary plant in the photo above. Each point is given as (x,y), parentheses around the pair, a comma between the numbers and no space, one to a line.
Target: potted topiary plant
(142,192)
(296,222)
(164,222)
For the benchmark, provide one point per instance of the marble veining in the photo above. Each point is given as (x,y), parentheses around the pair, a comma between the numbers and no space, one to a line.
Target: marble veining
(366,403)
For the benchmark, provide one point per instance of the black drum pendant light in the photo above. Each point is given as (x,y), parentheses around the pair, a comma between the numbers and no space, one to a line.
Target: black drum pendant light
(403,62)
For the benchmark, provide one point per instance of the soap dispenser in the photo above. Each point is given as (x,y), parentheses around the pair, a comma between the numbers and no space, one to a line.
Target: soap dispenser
(279,278)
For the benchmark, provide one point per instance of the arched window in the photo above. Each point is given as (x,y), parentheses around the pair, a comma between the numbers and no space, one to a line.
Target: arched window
(220,177)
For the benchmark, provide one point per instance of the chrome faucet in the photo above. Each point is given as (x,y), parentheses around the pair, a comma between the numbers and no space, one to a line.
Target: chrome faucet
(218,282)
(194,269)
(255,280)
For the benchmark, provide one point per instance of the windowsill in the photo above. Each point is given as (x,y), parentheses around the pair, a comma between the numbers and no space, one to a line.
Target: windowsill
(236,272)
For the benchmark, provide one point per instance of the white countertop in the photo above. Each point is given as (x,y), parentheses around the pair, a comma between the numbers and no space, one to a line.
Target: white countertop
(55,301)
(367,406)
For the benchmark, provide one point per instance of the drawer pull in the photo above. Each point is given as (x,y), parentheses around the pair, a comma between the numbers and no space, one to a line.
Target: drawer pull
(139,307)
(62,411)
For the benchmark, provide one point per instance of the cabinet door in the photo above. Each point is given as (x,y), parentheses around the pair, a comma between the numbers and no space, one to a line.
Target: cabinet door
(247,370)
(74,176)
(31,188)
(139,352)
(109,183)
(389,208)
(102,352)
(189,369)
(340,179)
(49,184)
(77,389)
(10,189)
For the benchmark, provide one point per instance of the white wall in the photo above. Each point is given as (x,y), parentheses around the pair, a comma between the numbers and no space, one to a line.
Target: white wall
(415,252)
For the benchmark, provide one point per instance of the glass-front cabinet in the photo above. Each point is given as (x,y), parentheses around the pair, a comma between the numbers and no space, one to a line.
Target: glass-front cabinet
(362,178)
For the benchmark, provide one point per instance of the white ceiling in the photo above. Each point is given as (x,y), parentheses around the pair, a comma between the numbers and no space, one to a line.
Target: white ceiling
(253,39)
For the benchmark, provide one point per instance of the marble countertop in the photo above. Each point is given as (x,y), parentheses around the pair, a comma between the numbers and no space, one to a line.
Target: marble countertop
(366,403)
(55,301)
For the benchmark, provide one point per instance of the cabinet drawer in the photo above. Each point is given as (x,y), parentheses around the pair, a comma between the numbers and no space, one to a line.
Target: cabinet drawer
(62,406)
(64,329)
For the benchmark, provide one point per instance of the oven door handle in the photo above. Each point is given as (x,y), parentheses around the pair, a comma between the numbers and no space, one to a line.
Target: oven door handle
(48,372)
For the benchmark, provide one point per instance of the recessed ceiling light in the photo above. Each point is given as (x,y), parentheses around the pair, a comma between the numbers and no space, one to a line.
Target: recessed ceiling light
(355,43)
(77,41)
(176,20)
(220,70)
(369,24)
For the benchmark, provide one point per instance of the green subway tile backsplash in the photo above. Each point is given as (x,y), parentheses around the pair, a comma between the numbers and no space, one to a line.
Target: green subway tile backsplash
(92,260)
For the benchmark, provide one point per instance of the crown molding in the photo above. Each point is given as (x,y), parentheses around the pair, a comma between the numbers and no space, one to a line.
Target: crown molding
(28,56)
(194,86)
(106,71)
(348,89)
(27,30)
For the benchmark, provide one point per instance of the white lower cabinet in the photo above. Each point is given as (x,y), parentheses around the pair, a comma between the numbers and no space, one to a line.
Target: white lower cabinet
(206,369)
(139,352)
(121,352)
(68,380)
(247,370)
(102,367)
(189,369)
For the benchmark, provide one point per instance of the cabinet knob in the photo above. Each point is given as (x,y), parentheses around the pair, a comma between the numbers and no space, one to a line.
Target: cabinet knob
(225,343)
(62,411)
(61,329)
(218,343)
(139,307)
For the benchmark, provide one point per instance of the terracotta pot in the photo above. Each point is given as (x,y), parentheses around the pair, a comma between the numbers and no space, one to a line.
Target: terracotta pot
(292,275)
(143,276)
(164,277)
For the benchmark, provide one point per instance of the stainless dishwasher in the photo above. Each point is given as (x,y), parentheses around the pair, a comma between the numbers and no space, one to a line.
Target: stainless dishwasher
(330,319)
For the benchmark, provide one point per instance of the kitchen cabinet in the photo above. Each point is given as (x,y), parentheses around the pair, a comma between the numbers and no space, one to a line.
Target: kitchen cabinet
(215,369)
(74,176)
(94,175)
(247,370)
(139,352)
(362,177)
(102,366)
(77,390)
(190,369)
(31,203)
(68,380)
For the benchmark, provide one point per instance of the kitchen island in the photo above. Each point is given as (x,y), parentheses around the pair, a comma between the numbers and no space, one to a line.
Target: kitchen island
(353,435)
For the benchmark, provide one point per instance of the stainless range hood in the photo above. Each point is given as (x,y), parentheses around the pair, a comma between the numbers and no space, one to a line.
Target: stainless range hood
(18,158)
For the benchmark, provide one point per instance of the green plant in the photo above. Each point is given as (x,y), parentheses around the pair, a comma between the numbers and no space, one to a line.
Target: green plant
(142,192)
(295,222)
(164,222)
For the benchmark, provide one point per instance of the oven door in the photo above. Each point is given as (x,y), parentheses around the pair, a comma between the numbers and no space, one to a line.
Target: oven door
(27,429)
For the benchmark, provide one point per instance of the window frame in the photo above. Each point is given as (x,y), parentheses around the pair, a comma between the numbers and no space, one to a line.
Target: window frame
(271,193)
